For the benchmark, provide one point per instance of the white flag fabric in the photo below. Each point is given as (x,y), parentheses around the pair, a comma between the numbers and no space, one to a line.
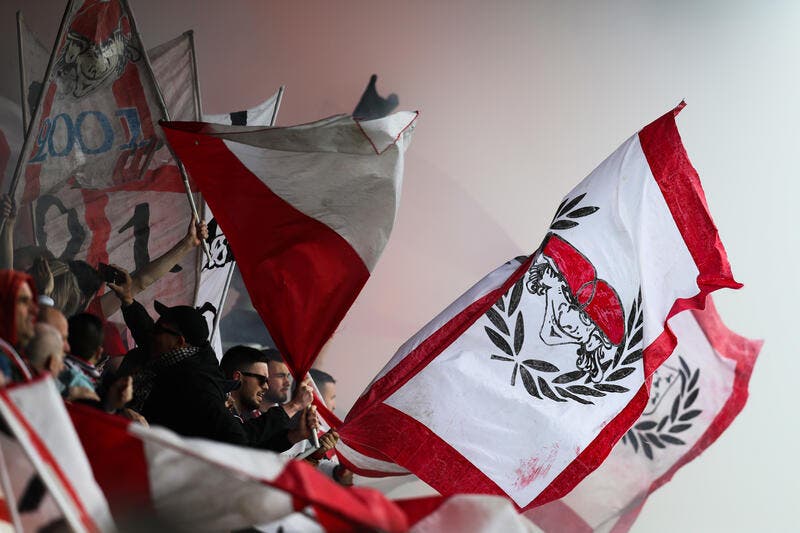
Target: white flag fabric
(694,396)
(215,274)
(36,417)
(200,485)
(326,194)
(264,114)
(35,56)
(131,221)
(10,139)
(524,384)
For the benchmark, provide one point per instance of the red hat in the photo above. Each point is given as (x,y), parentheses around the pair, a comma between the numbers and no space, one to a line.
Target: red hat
(597,298)
(10,282)
(96,20)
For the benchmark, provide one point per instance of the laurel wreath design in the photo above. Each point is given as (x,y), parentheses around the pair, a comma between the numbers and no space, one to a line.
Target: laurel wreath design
(566,213)
(647,434)
(541,379)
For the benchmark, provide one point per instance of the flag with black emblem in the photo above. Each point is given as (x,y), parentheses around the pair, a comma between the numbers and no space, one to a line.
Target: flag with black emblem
(524,384)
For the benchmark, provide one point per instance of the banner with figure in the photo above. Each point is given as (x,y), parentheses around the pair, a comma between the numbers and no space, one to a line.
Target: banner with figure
(524,384)
(111,222)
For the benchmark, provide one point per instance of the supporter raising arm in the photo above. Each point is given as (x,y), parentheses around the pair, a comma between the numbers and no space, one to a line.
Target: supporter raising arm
(8,216)
(153,271)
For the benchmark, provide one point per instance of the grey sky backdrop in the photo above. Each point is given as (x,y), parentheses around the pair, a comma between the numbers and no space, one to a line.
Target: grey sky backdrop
(519,101)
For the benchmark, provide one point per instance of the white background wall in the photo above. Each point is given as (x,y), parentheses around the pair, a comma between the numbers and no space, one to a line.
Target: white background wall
(519,101)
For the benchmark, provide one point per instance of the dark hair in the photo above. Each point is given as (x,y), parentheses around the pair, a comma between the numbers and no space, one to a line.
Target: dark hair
(320,377)
(273,355)
(85,335)
(239,358)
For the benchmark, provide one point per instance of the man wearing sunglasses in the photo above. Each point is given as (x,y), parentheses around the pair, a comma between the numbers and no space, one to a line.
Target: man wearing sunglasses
(179,385)
(248,366)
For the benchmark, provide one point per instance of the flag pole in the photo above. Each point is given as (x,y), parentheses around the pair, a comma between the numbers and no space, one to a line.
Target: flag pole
(23,82)
(11,501)
(37,114)
(198,107)
(165,113)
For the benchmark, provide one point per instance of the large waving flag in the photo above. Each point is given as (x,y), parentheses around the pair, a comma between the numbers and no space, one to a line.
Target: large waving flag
(134,218)
(198,485)
(694,397)
(524,384)
(307,211)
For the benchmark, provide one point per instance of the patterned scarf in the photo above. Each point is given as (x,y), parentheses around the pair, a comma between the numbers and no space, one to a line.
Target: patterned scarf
(144,379)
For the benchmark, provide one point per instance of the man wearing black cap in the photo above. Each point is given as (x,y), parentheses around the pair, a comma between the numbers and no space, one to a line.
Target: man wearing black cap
(178,384)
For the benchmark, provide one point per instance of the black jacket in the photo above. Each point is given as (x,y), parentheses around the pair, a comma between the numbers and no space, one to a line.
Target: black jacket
(188,397)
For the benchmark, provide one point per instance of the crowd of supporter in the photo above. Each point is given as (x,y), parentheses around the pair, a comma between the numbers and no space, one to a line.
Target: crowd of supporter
(53,321)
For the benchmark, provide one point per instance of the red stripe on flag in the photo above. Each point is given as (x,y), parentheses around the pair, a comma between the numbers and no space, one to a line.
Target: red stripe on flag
(118,459)
(558,517)
(301,275)
(680,185)
(44,453)
(95,213)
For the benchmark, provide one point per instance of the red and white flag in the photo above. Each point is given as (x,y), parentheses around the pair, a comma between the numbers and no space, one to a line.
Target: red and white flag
(694,397)
(10,139)
(307,211)
(199,485)
(264,114)
(36,417)
(524,384)
(131,219)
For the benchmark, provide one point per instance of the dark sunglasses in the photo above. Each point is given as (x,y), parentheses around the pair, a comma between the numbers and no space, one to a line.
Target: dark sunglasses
(262,380)
(160,328)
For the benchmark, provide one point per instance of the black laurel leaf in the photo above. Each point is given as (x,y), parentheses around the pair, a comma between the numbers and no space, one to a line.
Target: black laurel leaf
(662,423)
(605,365)
(501,304)
(528,381)
(646,425)
(654,440)
(690,400)
(501,358)
(636,338)
(639,298)
(677,428)
(516,295)
(572,203)
(619,374)
(685,367)
(585,391)
(514,375)
(569,377)
(519,334)
(582,212)
(498,341)
(634,441)
(688,415)
(567,394)
(560,208)
(497,320)
(672,440)
(540,366)
(648,451)
(693,381)
(632,357)
(618,354)
(563,224)
(624,438)
(675,406)
(632,316)
(549,393)
(683,381)
(608,387)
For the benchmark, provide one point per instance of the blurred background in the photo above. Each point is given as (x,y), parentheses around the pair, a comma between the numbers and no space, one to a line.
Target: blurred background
(519,100)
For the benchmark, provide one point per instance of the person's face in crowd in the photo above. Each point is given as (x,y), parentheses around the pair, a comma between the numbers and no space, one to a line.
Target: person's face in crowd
(55,365)
(166,338)
(24,313)
(56,318)
(254,386)
(328,392)
(280,383)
